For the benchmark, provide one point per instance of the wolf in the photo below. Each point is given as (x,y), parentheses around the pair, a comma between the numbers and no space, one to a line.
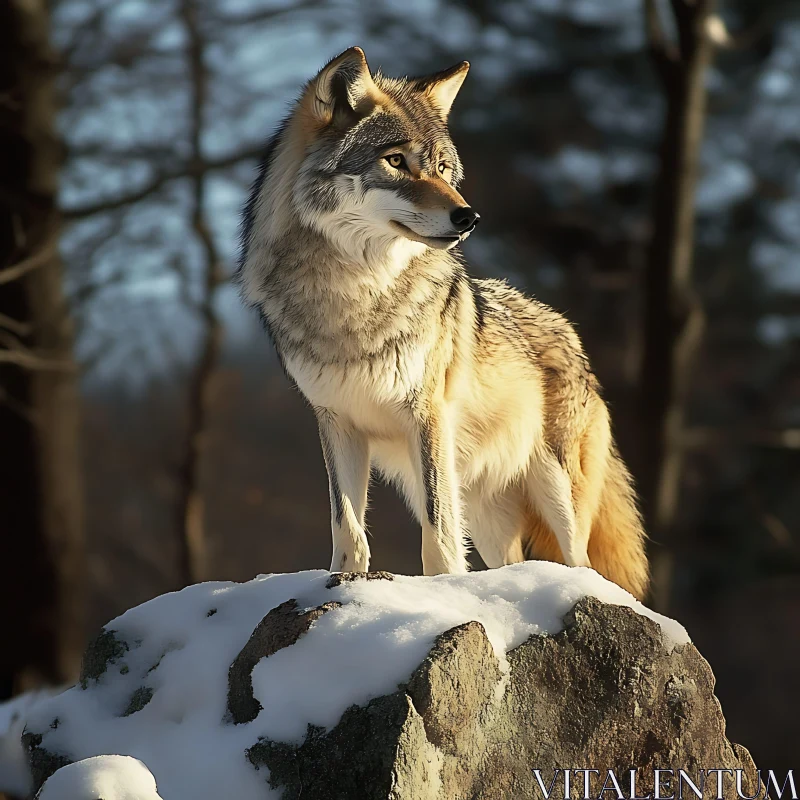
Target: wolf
(476,401)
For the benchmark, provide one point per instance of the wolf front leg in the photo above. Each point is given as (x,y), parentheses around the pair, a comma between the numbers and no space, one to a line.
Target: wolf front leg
(346,452)
(438,502)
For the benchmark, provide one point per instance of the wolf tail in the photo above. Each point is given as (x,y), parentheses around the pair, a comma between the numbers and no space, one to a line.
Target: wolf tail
(616,541)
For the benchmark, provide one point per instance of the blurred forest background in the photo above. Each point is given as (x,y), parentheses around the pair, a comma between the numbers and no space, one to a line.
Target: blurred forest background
(149,437)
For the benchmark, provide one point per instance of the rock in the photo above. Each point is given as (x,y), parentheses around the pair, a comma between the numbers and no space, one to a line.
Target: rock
(377,751)
(601,687)
(139,699)
(282,627)
(103,651)
(15,781)
(338,578)
(454,688)
(603,694)
(42,762)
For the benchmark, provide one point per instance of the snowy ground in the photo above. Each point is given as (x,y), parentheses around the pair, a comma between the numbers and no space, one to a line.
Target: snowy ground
(182,645)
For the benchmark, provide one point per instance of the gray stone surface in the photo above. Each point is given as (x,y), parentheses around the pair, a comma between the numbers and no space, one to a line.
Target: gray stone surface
(280,628)
(103,651)
(605,693)
(339,578)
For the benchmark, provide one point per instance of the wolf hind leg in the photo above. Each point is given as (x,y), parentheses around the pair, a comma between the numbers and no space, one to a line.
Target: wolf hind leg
(550,489)
(497,525)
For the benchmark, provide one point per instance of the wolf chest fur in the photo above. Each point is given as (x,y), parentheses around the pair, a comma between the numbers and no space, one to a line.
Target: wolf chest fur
(475,400)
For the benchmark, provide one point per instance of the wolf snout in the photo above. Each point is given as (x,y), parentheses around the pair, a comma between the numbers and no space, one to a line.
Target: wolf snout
(464,219)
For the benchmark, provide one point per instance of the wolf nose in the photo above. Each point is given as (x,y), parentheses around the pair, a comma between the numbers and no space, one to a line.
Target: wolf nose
(464,219)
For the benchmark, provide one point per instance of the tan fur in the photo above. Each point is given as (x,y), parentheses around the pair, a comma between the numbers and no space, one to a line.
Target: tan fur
(540,543)
(616,540)
(442,92)
(476,401)
(436,193)
(576,424)
(616,546)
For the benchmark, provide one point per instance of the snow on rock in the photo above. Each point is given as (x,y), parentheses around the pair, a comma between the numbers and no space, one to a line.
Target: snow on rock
(101,777)
(14,775)
(158,683)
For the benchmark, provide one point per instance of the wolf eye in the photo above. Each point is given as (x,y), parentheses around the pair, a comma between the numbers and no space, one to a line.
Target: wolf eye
(443,167)
(396,160)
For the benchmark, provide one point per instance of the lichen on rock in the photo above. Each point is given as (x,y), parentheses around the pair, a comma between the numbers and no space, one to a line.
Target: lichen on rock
(339,578)
(139,699)
(41,762)
(105,649)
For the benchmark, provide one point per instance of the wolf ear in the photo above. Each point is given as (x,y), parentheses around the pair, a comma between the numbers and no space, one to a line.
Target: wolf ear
(343,88)
(443,87)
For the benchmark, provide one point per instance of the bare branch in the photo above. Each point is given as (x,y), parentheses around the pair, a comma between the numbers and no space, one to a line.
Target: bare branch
(30,360)
(260,15)
(88,28)
(125,52)
(102,149)
(187,169)
(119,201)
(137,45)
(691,18)
(32,262)
(726,39)
(683,10)
(191,501)
(717,31)
(663,51)
(14,325)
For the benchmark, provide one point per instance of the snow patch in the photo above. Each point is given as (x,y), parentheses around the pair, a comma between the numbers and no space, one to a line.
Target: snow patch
(106,777)
(181,646)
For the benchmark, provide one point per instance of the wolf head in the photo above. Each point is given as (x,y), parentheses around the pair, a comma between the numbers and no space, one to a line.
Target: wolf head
(365,159)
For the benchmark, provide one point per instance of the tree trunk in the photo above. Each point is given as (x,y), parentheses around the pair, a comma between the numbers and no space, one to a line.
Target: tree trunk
(673,314)
(191,506)
(41,522)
